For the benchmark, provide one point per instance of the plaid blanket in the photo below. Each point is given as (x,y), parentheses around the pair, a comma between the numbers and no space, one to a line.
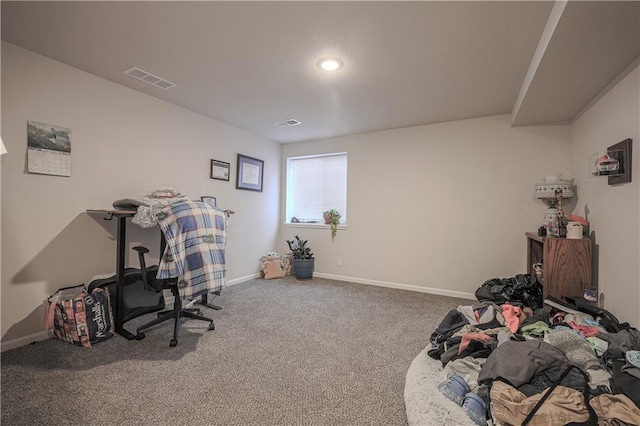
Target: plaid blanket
(196,235)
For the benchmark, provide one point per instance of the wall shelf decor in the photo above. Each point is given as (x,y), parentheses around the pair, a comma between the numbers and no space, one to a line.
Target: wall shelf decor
(621,152)
(615,163)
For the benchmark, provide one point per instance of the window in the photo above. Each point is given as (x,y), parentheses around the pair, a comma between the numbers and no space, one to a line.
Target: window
(316,184)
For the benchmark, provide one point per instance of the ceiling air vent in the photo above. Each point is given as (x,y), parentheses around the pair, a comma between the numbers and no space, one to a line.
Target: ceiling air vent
(147,77)
(288,123)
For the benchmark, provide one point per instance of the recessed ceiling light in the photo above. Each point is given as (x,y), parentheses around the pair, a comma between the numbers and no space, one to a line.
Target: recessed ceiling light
(330,64)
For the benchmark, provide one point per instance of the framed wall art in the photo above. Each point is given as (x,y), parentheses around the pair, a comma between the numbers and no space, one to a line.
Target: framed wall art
(220,170)
(622,153)
(209,199)
(249,174)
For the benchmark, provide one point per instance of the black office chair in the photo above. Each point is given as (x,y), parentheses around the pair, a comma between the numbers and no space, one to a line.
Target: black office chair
(177,312)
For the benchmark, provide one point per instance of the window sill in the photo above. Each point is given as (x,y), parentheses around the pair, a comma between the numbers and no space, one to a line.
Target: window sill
(312,225)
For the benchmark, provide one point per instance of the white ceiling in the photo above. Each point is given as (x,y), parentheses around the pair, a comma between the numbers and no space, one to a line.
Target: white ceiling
(250,64)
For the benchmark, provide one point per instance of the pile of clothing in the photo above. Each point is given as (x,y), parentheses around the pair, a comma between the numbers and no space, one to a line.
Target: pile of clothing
(553,365)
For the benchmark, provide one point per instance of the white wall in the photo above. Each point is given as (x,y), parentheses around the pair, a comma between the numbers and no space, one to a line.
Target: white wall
(432,208)
(438,208)
(613,211)
(124,144)
(1,161)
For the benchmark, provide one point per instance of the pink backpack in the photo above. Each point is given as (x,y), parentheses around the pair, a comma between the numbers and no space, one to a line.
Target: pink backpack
(80,318)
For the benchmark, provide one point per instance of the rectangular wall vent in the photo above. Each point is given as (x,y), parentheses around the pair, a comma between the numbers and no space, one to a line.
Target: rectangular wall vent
(147,77)
(288,123)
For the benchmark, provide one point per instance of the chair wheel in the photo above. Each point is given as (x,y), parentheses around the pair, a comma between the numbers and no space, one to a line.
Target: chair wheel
(173,343)
(212,326)
(140,336)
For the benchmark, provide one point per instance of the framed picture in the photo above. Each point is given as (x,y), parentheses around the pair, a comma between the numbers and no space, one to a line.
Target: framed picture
(220,170)
(622,153)
(249,173)
(209,199)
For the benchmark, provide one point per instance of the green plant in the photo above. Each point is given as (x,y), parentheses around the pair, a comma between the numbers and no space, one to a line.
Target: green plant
(299,248)
(332,218)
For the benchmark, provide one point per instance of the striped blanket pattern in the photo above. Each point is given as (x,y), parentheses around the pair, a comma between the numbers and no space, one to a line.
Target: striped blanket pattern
(196,236)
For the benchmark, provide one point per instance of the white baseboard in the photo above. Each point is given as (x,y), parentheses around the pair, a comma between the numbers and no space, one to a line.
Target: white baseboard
(243,279)
(168,299)
(44,335)
(389,284)
(26,340)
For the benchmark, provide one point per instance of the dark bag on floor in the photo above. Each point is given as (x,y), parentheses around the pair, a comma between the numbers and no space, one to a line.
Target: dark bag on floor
(79,317)
(522,288)
(607,319)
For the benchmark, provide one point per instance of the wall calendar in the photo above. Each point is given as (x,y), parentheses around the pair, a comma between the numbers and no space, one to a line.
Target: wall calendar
(48,149)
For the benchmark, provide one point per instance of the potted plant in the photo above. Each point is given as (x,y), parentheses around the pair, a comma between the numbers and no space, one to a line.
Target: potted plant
(303,260)
(332,217)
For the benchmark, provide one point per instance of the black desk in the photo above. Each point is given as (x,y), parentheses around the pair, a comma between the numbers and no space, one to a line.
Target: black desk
(121,242)
(121,232)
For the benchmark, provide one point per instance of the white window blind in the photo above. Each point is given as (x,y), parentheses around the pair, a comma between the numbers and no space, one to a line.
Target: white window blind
(316,184)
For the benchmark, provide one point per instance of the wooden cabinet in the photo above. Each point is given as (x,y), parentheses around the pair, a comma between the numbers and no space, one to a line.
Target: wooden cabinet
(566,263)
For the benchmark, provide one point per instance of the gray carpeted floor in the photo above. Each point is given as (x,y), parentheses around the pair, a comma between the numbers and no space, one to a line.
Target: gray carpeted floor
(284,352)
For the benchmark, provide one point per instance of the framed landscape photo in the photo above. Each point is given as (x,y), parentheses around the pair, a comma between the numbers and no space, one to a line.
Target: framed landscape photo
(220,170)
(249,174)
